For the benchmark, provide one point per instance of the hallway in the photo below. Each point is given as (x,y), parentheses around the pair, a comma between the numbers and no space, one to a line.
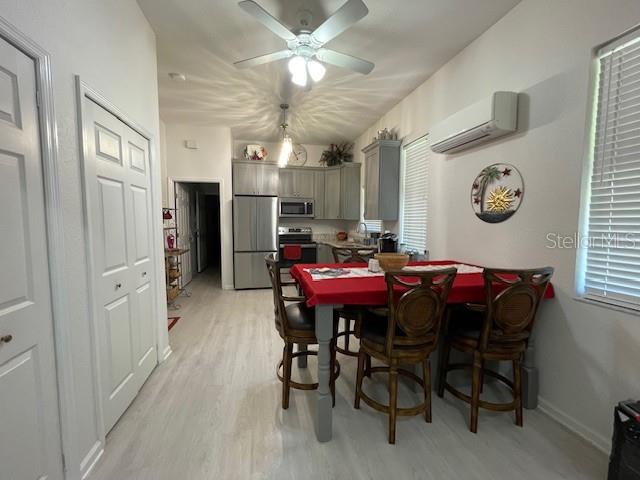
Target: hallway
(212,411)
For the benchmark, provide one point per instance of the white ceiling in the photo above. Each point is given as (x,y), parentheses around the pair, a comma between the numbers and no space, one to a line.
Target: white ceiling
(408,40)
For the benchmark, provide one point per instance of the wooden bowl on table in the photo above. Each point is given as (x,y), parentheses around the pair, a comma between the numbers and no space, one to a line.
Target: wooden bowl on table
(392,261)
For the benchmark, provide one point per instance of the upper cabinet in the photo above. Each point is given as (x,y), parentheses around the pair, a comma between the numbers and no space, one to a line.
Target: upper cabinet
(382,180)
(337,192)
(254,178)
(296,183)
(350,191)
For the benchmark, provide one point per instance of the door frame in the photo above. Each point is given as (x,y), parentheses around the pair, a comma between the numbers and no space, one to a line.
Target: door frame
(163,349)
(171,194)
(55,238)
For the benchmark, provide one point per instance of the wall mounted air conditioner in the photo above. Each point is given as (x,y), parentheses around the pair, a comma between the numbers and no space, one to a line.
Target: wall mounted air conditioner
(481,122)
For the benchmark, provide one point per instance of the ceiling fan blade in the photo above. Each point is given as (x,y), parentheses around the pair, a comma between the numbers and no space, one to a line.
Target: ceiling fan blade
(346,61)
(268,20)
(259,60)
(345,16)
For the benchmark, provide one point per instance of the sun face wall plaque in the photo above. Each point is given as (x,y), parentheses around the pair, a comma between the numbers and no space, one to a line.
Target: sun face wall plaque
(496,193)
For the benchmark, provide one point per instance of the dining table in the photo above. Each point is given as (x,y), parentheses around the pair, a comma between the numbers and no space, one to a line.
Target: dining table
(358,286)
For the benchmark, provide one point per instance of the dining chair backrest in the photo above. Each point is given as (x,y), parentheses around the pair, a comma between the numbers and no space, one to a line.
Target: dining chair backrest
(512,301)
(353,254)
(278,298)
(418,311)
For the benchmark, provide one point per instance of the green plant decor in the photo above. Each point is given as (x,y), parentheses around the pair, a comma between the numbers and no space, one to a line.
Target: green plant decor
(337,154)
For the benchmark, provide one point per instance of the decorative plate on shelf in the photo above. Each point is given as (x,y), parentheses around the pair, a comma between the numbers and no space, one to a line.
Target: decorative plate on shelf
(298,156)
(497,192)
(255,152)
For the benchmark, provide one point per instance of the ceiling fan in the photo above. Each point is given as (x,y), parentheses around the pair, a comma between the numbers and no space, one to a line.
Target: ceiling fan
(305,48)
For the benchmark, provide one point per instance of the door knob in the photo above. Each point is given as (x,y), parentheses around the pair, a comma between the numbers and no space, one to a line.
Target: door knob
(144,274)
(6,338)
(118,285)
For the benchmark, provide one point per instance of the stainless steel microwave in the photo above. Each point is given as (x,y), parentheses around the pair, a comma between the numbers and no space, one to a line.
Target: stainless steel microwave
(296,207)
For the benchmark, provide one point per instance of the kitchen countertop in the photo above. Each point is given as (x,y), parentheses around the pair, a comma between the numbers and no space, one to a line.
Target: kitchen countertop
(342,244)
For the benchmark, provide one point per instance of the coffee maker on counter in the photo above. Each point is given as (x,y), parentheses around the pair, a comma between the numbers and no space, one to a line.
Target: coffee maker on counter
(388,243)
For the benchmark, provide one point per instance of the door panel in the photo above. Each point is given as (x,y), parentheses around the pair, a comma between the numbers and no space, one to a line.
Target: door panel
(117,318)
(303,181)
(244,220)
(14,288)
(267,224)
(318,194)
(21,420)
(244,179)
(112,219)
(286,187)
(119,215)
(183,207)
(29,420)
(267,183)
(142,243)
(332,194)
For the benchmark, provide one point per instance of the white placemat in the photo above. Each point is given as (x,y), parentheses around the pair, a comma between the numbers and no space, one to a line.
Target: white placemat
(363,272)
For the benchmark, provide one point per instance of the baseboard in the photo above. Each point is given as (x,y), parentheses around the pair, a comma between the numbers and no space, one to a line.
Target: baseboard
(91,459)
(166,353)
(228,287)
(601,443)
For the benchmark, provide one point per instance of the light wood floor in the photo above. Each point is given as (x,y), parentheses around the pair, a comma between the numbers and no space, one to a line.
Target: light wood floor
(212,411)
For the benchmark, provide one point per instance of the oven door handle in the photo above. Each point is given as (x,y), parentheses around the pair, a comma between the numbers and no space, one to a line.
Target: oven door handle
(301,245)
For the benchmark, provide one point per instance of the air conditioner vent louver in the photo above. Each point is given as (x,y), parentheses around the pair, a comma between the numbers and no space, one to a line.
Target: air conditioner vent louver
(479,123)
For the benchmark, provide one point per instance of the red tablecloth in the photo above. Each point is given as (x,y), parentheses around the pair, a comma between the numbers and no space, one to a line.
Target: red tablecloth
(467,287)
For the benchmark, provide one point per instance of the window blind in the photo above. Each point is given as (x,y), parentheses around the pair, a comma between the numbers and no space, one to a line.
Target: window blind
(414,191)
(612,271)
(373,225)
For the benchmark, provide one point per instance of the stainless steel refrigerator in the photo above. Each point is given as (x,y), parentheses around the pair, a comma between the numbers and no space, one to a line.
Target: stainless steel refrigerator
(255,235)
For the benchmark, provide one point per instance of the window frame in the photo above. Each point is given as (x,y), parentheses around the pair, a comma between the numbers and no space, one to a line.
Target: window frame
(582,294)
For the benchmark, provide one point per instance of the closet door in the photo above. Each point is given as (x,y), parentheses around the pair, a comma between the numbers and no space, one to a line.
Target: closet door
(117,183)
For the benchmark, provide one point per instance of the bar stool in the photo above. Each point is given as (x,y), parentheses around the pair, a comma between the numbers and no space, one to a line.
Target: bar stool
(350,312)
(501,333)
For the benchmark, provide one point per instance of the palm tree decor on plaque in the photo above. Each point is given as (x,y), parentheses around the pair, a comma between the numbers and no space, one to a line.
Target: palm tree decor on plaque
(496,193)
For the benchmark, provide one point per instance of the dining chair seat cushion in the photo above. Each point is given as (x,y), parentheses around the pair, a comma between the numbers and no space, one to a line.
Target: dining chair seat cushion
(300,316)
(374,328)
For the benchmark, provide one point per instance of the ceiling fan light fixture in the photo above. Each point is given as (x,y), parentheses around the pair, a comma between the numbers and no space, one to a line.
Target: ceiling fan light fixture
(316,70)
(297,65)
(300,78)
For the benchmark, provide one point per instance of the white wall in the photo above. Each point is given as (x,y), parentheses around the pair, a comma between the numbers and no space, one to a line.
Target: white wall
(112,47)
(588,355)
(210,162)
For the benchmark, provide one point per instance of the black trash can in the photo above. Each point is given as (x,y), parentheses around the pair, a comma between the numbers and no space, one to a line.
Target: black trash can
(624,463)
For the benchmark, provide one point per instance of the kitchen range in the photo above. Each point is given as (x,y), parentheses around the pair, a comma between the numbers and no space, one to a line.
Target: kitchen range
(296,246)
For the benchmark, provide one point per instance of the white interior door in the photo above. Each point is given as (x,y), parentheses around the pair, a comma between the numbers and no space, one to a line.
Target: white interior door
(29,419)
(119,214)
(183,209)
(201,208)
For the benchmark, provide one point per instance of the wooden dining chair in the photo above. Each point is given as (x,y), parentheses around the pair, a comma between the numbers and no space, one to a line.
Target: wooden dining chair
(295,323)
(407,337)
(501,333)
(350,313)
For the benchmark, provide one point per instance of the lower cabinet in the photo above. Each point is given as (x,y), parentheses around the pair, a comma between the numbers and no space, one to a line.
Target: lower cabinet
(325,254)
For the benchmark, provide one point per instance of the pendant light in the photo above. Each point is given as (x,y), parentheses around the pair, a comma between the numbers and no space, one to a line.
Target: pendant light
(287,144)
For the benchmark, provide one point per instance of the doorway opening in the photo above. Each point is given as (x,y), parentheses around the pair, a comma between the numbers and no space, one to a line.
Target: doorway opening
(197,207)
